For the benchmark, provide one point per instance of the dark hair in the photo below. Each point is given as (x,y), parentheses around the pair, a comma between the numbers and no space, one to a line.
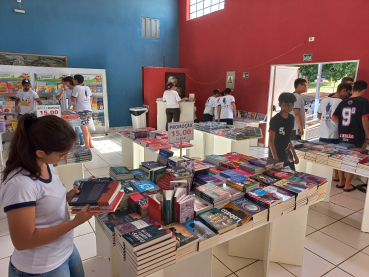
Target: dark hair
(343,86)
(227,91)
(287,97)
(48,133)
(170,85)
(79,78)
(360,85)
(299,81)
(216,91)
(347,79)
(222,93)
(68,79)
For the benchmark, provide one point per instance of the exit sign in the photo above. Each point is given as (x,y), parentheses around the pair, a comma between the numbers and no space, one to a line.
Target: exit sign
(245,75)
(308,57)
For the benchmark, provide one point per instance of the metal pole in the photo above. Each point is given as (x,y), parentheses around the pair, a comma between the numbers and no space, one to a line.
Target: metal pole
(317,93)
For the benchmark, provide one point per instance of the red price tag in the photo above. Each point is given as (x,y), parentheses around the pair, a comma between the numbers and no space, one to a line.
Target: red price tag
(42,110)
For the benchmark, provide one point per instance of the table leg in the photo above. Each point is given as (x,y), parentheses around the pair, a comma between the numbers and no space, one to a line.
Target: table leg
(365,222)
(127,152)
(241,146)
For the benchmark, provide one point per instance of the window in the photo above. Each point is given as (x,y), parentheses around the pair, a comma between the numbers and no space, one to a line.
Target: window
(199,8)
(150,27)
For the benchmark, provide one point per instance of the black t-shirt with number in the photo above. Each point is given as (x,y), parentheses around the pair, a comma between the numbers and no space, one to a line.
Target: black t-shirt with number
(350,113)
(282,128)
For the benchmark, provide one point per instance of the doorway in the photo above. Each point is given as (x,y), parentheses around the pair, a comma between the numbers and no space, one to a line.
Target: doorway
(282,79)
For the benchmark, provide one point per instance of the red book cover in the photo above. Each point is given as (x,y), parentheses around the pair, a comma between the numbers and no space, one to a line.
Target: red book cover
(154,207)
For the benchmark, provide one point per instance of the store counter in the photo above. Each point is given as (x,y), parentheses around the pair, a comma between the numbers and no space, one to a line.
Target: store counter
(187,113)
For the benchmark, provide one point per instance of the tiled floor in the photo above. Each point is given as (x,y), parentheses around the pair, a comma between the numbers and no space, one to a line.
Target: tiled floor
(334,246)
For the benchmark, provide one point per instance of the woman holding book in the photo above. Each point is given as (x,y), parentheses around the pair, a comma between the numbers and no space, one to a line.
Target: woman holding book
(35,200)
(172,98)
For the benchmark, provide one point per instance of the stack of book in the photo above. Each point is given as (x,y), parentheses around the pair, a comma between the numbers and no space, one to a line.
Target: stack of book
(213,194)
(175,162)
(147,166)
(145,186)
(79,155)
(108,221)
(267,164)
(243,172)
(138,203)
(128,188)
(268,198)
(344,147)
(282,173)
(136,134)
(349,162)
(300,191)
(185,144)
(238,213)
(187,242)
(148,249)
(233,193)
(159,146)
(139,174)
(206,178)
(120,173)
(311,155)
(301,152)
(276,164)
(216,170)
(323,156)
(259,212)
(308,179)
(201,205)
(238,182)
(230,164)
(230,173)
(207,237)
(336,160)
(265,179)
(363,168)
(252,168)
(145,142)
(164,155)
(360,150)
(215,159)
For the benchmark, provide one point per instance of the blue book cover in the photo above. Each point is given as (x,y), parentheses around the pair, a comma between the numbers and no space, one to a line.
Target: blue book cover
(145,185)
(217,220)
(249,206)
(230,174)
(164,155)
(199,229)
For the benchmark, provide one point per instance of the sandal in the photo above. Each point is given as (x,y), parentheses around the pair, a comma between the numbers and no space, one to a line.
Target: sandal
(336,180)
(349,190)
(337,186)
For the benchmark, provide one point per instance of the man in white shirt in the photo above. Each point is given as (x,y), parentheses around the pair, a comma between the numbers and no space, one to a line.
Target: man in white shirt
(299,109)
(226,108)
(82,96)
(26,97)
(61,95)
(209,106)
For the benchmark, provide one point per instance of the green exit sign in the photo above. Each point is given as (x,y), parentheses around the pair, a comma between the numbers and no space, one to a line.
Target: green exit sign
(245,75)
(308,57)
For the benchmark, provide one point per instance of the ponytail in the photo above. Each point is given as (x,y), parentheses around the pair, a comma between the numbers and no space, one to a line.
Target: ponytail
(48,133)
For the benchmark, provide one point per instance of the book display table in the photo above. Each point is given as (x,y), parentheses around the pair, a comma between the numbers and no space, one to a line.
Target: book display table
(133,154)
(281,240)
(69,172)
(207,144)
(242,124)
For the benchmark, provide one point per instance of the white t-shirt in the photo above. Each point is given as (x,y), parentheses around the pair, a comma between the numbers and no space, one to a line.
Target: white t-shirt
(328,128)
(300,105)
(215,106)
(209,105)
(172,98)
(63,100)
(225,103)
(83,95)
(27,101)
(49,199)
(68,94)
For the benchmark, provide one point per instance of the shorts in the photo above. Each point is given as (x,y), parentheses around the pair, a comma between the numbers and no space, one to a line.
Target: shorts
(330,140)
(85,117)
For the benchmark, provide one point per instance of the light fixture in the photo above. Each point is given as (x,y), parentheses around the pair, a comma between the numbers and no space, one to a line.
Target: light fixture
(20,8)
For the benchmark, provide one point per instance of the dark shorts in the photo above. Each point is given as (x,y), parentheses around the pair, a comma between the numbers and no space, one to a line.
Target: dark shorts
(334,141)
(208,117)
(85,117)
(229,121)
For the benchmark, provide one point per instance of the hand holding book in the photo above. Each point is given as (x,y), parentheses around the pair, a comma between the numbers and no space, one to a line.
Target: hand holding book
(71,193)
(82,216)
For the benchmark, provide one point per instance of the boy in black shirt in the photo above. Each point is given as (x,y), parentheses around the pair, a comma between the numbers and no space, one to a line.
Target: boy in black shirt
(353,125)
(280,129)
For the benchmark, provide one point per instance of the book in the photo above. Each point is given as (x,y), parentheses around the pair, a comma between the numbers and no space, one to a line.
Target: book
(145,185)
(156,173)
(119,217)
(184,209)
(102,209)
(120,173)
(184,236)
(135,225)
(154,203)
(236,213)
(164,155)
(265,197)
(202,231)
(167,207)
(201,205)
(96,193)
(138,203)
(217,221)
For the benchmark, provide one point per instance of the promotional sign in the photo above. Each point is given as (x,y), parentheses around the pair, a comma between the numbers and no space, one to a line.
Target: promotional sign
(42,110)
(178,131)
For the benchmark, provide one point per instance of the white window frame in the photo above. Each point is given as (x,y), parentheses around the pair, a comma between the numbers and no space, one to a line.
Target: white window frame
(199,8)
(150,27)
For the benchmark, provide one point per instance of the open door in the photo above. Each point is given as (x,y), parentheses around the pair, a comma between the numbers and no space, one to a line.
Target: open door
(281,80)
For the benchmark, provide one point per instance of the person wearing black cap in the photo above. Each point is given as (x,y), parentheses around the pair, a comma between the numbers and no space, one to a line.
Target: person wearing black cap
(26,97)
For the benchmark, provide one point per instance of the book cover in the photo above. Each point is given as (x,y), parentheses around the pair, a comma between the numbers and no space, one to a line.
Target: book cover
(186,210)
(310,178)
(155,207)
(264,196)
(135,225)
(164,155)
(119,220)
(291,186)
(120,170)
(183,235)
(278,174)
(167,210)
(145,185)
(127,187)
(248,205)
(150,165)
(199,229)
(201,205)
(236,213)
(217,220)
(146,234)
(156,173)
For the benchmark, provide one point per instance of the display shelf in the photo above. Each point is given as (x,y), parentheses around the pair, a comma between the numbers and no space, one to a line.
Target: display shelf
(97,111)
(97,93)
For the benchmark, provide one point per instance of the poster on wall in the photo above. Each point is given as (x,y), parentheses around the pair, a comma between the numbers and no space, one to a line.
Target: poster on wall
(14,76)
(44,77)
(7,58)
(91,78)
(180,81)
(230,79)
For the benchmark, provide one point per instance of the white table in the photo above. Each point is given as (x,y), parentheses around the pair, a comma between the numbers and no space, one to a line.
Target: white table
(69,172)
(242,124)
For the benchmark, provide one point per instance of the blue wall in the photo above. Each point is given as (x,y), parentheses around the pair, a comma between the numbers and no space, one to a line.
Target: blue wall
(102,34)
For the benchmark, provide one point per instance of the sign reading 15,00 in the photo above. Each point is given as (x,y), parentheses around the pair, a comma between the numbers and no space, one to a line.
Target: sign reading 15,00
(178,131)
(43,110)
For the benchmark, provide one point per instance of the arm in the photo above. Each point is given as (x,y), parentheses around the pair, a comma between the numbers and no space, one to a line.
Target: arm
(91,100)
(366,126)
(38,100)
(16,105)
(74,99)
(272,145)
(234,109)
(335,119)
(294,154)
(183,99)
(25,235)
(219,113)
(60,95)
(319,116)
(299,120)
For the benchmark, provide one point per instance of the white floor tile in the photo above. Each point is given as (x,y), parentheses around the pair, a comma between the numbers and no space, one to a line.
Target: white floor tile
(96,267)
(86,245)
(337,273)
(115,162)
(218,269)
(100,172)
(110,156)
(333,192)
(329,248)
(7,247)
(318,220)
(331,210)
(309,230)
(358,265)
(95,165)
(87,174)
(4,267)
(366,250)
(313,266)
(354,220)
(233,263)
(257,270)
(357,194)
(83,229)
(361,211)
(4,227)
(92,224)
(347,202)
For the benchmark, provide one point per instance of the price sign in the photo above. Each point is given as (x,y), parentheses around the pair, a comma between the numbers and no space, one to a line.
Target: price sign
(42,110)
(178,131)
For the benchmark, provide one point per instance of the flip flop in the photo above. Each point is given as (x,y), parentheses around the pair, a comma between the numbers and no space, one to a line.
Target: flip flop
(336,180)
(348,190)
(337,186)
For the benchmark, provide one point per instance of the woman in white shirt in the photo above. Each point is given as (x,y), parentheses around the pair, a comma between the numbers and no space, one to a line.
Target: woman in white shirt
(35,200)
(172,98)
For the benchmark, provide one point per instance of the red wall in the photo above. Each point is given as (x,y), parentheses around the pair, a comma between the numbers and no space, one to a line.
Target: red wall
(248,33)
(153,87)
